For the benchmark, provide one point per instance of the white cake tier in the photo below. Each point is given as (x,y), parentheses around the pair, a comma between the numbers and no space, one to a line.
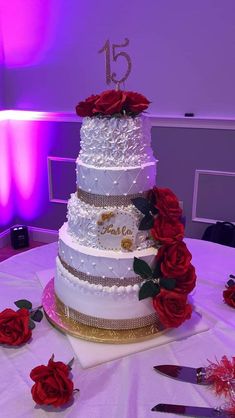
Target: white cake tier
(97,302)
(113,181)
(101,263)
(83,224)
(112,141)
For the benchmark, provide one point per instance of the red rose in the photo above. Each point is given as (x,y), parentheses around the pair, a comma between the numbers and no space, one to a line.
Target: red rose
(229,296)
(186,283)
(110,102)
(86,108)
(14,327)
(52,384)
(166,202)
(174,259)
(172,308)
(166,231)
(135,102)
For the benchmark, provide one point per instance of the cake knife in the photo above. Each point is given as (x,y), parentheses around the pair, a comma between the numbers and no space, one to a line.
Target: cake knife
(183,373)
(192,411)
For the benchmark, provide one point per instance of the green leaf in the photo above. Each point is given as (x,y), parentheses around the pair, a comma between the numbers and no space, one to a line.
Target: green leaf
(168,284)
(153,209)
(142,205)
(31,324)
(23,303)
(142,268)
(157,270)
(148,290)
(153,199)
(146,223)
(231,282)
(37,316)
(70,364)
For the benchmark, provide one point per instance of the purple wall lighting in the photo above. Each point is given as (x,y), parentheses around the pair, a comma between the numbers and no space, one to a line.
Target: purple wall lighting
(24,148)
(6,203)
(28,30)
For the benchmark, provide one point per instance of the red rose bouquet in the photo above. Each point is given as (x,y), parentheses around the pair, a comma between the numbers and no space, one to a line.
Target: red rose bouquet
(173,276)
(113,103)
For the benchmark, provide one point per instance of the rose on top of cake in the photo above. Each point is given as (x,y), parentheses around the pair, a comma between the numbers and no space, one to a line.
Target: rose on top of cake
(113,103)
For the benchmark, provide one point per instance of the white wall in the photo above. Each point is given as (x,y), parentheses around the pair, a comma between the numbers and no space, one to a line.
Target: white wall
(181,52)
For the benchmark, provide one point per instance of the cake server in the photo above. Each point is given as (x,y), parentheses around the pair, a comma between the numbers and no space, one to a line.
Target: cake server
(183,373)
(192,411)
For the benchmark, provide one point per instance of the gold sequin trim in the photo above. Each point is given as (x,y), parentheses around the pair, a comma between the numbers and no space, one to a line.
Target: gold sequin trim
(104,281)
(103,201)
(104,323)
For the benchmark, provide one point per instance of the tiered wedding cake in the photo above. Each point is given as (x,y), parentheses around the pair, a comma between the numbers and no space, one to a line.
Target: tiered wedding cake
(108,247)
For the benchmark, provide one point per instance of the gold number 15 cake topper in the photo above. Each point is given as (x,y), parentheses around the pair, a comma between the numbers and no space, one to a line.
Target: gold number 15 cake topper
(111,77)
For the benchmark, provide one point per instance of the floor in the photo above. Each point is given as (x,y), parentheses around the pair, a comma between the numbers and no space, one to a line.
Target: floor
(8,251)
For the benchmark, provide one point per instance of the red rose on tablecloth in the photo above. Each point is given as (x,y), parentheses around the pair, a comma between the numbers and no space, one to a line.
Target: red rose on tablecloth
(166,202)
(166,231)
(186,283)
(135,102)
(229,296)
(172,308)
(110,102)
(14,327)
(86,107)
(174,259)
(52,384)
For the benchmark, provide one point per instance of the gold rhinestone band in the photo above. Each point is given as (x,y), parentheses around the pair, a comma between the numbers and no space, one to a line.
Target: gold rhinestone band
(102,201)
(104,281)
(104,323)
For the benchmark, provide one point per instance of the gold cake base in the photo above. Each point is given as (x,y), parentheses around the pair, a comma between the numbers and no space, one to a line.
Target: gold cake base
(85,332)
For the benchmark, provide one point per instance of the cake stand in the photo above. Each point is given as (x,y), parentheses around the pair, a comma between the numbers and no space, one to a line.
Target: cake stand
(60,321)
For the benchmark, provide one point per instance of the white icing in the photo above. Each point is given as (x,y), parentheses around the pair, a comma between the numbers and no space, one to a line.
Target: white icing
(116,180)
(100,262)
(82,223)
(115,141)
(91,287)
(116,159)
(97,303)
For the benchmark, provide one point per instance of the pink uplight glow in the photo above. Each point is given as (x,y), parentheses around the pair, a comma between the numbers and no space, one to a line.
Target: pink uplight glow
(27,30)
(21,115)
(29,145)
(6,203)
(24,156)
(24,143)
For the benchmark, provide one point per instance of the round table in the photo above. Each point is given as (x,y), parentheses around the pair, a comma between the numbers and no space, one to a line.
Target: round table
(127,387)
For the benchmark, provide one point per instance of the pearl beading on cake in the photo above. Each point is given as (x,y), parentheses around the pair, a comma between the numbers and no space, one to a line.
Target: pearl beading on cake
(98,261)
(116,141)
(83,281)
(104,281)
(116,180)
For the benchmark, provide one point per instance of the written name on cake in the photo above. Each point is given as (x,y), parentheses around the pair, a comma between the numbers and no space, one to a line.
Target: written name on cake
(116,230)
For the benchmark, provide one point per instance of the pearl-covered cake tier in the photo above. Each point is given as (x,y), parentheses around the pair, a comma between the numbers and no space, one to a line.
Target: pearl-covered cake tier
(102,284)
(95,279)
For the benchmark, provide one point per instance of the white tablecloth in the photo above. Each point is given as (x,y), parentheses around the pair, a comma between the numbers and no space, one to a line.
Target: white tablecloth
(128,387)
